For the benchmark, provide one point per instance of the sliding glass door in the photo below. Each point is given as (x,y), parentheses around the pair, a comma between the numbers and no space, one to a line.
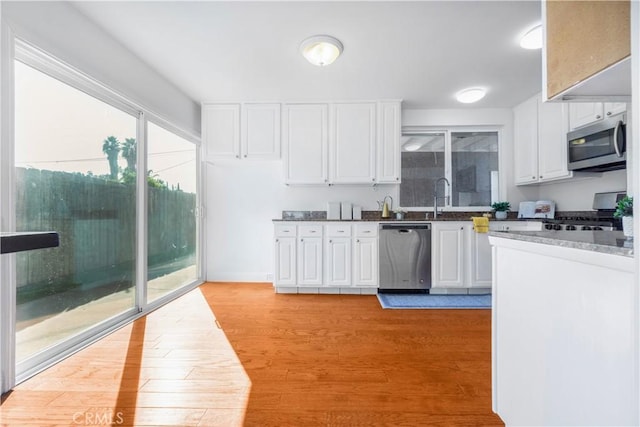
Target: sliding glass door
(128,241)
(68,178)
(171,212)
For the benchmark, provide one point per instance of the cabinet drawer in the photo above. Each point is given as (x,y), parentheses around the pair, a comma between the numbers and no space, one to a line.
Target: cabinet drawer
(366,230)
(310,231)
(339,230)
(285,230)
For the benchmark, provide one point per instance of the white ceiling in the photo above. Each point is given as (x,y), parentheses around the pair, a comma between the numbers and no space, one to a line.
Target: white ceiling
(421,51)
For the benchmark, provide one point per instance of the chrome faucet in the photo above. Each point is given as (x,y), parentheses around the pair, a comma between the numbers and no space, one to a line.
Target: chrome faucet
(435,195)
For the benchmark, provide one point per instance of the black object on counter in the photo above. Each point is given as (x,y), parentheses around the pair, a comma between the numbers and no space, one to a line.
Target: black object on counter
(26,241)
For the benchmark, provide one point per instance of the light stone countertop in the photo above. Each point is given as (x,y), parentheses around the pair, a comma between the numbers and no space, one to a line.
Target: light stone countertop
(609,242)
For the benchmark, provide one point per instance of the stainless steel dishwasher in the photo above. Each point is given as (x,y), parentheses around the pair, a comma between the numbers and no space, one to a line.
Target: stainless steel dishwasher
(405,257)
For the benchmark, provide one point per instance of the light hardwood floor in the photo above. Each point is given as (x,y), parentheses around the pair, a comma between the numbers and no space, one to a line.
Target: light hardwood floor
(290,360)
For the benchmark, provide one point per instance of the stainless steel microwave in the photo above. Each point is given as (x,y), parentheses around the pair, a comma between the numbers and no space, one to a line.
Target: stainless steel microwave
(599,147)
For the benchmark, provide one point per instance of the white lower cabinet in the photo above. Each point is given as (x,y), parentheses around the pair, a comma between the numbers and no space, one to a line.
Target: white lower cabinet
(331,255)
(338,255)
(309,255)
(461,257)
(365,255)
(447,259)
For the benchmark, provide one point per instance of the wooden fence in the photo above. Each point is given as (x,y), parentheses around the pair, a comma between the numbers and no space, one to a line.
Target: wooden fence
(96,220)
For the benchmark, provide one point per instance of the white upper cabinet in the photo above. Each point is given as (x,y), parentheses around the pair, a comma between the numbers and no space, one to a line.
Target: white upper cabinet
(552,142)
(247,131)
(540,142)
(359,143)
(305,143)
(352,144)
(260,136)
(221,130)
(586,113)
(525,130)
(388,151)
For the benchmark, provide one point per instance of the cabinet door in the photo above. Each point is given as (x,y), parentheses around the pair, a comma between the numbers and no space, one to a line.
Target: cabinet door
(285,254)
(338,261)
(305,143)
(365,256)
(584,113)
(353,143)
(525,132)
(552,142)
(479,260)
(309,261)
(448,255)
(221,130)
(388,152)
(261,131)
(613,108)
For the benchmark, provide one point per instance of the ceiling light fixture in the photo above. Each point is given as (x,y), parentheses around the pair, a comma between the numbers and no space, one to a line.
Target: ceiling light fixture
(412,146)
(532,38)
(470,95)
(321,50)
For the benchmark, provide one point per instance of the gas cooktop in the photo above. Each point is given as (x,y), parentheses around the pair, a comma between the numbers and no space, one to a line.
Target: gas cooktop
(578,224)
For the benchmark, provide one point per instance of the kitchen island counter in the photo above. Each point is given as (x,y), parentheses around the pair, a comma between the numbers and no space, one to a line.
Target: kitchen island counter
(564,331)
(608,242)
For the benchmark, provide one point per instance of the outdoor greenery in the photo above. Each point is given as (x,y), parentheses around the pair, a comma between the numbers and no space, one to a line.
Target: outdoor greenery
(112,147)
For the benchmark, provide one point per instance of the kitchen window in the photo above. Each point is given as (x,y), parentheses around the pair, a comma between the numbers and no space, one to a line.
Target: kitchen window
(467,158)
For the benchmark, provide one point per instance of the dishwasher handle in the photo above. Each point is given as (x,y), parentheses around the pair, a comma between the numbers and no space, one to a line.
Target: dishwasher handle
(405,228)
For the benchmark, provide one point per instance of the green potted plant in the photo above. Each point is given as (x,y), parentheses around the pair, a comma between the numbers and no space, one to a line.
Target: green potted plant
(624,210)
(501,209)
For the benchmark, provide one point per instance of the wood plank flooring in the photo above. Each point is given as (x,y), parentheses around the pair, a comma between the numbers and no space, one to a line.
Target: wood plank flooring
(290,360)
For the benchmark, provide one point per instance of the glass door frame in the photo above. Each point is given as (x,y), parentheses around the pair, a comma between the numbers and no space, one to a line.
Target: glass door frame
(13,49)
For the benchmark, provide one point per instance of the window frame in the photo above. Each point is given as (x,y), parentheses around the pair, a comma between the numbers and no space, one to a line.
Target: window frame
(448,161)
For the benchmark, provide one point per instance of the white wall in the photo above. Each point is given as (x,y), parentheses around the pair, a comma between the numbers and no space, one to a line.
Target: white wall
(61,30)
(577,193)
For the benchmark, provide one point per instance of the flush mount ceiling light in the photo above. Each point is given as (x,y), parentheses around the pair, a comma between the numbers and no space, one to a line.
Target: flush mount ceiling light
(412,146)
(321,50)
(532,38)
(470,95)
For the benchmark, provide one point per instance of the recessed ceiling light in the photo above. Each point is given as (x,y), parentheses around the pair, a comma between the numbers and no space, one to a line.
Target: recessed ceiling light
(532,39)
(321,50)
(470,95)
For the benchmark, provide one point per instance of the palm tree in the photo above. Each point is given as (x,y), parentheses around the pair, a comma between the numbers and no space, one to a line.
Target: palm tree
(111,147)
(130,153)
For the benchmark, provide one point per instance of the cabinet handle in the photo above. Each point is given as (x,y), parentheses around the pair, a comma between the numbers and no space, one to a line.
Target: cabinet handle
(540,176)
(533,177)
(373,179)
(330,241)
(397,178)
(237,156)
(313,231)
(277,240)
(357,240)
(608,113)
(285,231)
(598,116)
(461,228)
(367,231)
(302,240)
(245,156)
(340,231)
